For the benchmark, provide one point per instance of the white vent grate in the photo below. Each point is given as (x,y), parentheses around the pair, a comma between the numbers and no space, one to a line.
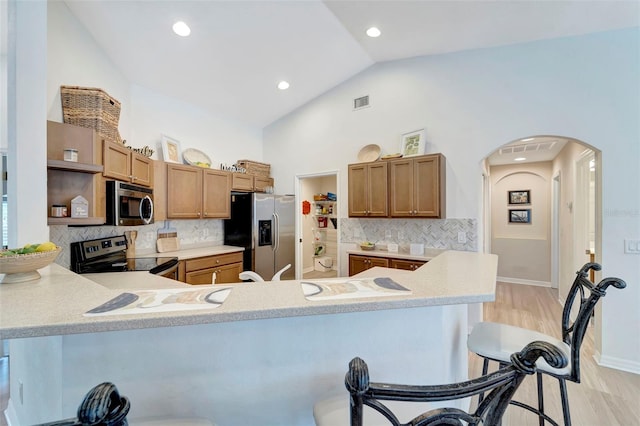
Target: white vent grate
(362,102)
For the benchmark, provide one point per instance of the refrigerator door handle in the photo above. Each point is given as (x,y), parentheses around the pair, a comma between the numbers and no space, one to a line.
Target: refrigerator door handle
(276,231)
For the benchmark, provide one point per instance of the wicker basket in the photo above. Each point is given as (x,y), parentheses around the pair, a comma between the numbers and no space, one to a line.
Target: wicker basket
(255,168)
(92,108)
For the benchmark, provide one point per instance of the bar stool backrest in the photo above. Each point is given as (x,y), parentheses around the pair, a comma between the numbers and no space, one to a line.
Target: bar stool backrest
(584,296)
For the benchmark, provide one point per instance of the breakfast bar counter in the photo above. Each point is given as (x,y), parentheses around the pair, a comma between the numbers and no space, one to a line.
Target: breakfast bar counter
(262,356)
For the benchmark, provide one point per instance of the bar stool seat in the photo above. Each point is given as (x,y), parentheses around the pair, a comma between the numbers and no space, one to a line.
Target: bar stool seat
(498,341)
(494,342)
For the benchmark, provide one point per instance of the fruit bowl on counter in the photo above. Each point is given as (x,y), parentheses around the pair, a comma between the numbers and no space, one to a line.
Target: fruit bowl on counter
(367,245)
(21,265)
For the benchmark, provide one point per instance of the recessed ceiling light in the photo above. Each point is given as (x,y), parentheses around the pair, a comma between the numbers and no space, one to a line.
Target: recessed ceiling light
(373,32)
(527,139)
(181,29)
(283,85)
(519,159)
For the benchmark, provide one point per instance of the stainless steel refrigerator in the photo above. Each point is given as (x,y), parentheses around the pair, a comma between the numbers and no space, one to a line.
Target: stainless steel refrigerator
(264,224)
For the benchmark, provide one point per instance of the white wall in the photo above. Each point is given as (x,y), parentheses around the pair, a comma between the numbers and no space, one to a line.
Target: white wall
(145,115)
(524,248)
(470,103)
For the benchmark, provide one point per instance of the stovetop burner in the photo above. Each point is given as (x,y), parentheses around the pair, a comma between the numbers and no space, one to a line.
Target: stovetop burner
(109,255)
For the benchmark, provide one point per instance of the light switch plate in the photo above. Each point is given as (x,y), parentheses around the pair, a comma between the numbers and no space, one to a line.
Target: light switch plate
(632,246)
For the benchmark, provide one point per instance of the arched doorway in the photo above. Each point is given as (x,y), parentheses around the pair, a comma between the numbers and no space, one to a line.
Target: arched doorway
(542,209)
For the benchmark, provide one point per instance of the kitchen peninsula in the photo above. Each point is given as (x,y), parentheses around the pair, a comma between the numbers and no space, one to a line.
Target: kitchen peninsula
(262,357)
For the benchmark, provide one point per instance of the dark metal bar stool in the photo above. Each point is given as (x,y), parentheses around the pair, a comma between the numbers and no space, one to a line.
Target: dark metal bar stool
(366,397)
(104,406)
(495,342)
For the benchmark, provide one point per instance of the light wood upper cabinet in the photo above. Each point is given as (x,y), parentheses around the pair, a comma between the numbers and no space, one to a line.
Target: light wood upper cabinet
(368,190)
(248,182)
(184,192)
(216,194)
(197,193)
(122,164)
(417,186)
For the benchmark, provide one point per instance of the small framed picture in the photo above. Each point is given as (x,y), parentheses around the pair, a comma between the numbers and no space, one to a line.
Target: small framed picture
(413,143)
(520,197)
(520,216)
(171,150)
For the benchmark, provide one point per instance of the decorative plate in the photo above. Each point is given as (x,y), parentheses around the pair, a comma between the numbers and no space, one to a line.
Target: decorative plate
(390,156)
(369,153)
(196,157)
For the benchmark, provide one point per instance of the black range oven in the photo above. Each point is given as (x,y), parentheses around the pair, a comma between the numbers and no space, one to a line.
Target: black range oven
(110,255)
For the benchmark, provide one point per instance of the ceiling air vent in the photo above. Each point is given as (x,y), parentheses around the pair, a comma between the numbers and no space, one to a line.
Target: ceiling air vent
(360,103)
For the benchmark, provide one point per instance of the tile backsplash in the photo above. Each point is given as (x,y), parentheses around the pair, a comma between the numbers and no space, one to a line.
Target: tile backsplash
(190,232)
(433,233)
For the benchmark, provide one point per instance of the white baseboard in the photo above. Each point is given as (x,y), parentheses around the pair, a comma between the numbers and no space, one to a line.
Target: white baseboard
(10,414)
(617,363)
(525,282)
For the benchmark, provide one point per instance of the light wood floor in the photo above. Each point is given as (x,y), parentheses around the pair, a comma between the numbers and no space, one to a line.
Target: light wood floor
(606,397)
(317,274)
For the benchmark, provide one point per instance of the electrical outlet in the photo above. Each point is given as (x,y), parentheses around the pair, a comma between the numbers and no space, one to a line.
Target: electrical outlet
(205,232)
(632,246)
(462,237)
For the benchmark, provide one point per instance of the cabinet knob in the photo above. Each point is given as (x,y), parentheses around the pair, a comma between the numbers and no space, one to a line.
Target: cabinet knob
(217,260)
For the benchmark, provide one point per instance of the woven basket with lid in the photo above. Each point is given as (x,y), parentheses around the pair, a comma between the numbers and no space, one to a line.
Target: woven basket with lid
(93,108)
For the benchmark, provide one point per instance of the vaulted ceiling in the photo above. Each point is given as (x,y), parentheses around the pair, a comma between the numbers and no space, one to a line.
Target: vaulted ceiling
(239,50)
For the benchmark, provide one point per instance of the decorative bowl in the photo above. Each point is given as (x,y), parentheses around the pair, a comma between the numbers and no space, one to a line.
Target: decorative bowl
(367,246)
(24,267)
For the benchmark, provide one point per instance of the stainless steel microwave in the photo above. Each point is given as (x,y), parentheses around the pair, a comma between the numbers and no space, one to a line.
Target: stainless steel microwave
(128,205)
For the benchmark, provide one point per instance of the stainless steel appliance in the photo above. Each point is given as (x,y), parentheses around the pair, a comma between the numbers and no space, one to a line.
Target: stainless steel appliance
(110,255)
(264,224)
(128,205)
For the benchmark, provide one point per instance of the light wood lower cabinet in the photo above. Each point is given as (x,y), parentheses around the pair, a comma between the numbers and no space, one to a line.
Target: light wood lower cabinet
(201,270)
(409,265)
(359,263)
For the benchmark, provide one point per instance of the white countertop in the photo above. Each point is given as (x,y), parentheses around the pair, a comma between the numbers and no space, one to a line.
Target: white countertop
(193,252)
(55,304)
(429,253)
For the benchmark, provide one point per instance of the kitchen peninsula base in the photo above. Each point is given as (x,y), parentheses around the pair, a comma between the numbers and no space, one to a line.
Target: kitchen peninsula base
(247,372)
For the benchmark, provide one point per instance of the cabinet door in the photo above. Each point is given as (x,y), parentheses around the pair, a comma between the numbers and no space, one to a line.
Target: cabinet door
(141,170)
(377,190)
(216,197)
(359,263)
(184,192)
(242,182)
(203,276)
(260,183)
(401,182)
(117,161)
(229,273)
(427,191)
(358,190)
(409,265)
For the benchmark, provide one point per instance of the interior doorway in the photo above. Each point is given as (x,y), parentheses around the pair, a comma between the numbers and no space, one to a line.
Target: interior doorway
(560,176)
(317,225)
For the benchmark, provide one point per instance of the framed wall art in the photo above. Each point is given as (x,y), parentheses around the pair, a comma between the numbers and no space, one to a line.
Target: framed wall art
(413,143)
(171,150)
(520,197)
(519,215)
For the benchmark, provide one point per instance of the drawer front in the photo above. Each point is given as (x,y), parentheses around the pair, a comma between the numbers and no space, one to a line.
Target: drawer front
(212,261)
(409,265)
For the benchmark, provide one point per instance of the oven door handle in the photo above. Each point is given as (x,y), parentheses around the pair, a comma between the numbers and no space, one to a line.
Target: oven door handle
(150,218)
(165,268)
